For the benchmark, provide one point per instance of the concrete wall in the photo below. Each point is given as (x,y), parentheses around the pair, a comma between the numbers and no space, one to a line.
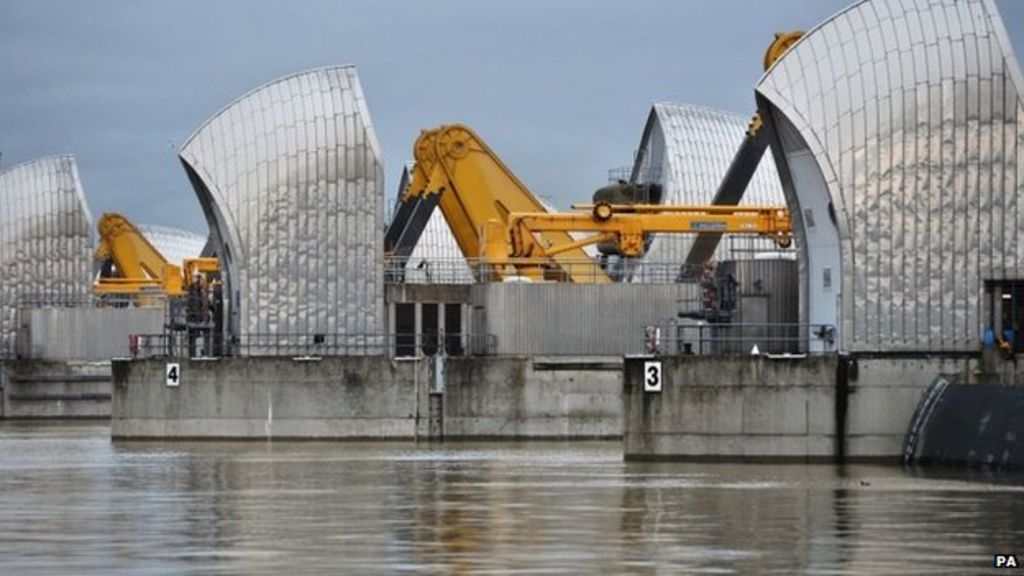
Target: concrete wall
(83,333)
(754,407)
(31,389)
(527,398)
(263,398)
(363,397)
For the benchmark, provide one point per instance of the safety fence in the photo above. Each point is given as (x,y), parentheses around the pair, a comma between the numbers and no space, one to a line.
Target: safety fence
(145,299)
(459,270)
(527,270)
(199,345)
(708,339)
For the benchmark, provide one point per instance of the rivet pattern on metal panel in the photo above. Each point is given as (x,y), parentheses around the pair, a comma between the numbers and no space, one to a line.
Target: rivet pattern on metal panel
(687,150)
(45,238)
(913,111)
(290,178)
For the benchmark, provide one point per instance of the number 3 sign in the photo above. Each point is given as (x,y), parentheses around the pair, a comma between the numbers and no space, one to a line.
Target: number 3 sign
(652,376)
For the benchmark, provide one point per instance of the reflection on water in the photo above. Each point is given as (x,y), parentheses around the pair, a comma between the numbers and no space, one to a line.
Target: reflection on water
(72,502)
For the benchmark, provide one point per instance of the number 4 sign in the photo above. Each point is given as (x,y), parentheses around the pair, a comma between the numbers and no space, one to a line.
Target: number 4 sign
(652,376)
(173,374)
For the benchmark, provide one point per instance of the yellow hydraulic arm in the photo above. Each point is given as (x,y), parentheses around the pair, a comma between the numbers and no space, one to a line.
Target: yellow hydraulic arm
(138,265)
(477,193)
(625,225)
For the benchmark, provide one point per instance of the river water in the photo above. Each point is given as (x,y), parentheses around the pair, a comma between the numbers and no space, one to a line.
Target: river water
(73,502)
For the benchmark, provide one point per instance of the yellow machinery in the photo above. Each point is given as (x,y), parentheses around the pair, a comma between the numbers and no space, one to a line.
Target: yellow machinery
(780,45)
(476,193)
(625,227)
(131,265)
(496,219)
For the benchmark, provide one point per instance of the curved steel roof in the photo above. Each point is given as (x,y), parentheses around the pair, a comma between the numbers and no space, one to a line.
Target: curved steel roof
(687,150)
(45,238)
(290,179)
(174,243)
(910,112)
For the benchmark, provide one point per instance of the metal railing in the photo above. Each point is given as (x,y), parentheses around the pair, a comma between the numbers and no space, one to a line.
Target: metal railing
(479,271)
(146,299)
(181,345)
(459,270)
(706,339)
(620,174)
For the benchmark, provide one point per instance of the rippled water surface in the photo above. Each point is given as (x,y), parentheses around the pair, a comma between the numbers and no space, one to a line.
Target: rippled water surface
(72,502)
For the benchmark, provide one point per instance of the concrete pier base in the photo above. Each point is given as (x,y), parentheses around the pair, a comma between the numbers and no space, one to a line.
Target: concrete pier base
(368,398)
(268,398)
(37,389)
(755,408)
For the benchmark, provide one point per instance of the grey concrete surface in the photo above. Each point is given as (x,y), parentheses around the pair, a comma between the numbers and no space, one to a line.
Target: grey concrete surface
(757,408)
(533,398)
(266,398)
(35,389)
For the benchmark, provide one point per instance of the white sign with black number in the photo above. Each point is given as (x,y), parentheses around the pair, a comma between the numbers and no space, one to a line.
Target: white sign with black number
(652,376)
(173,374)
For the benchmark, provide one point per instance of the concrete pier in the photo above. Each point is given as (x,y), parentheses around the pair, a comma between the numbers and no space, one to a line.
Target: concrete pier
(733,408)
(266,398)
(368,398)
(753,408)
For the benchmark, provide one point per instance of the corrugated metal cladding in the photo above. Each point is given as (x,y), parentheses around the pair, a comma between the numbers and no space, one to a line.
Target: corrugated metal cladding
(436,256)
(174,243)
(46,240)
(912,111)
(582,319)
(687,150)
(291,181)
(70,333)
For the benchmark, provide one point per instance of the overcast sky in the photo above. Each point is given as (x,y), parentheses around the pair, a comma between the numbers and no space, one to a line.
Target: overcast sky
(559,89)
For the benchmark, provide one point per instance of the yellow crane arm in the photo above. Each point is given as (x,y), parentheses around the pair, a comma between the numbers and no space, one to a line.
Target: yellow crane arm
(475,190)
(627,224)
(138,265)
(123,243)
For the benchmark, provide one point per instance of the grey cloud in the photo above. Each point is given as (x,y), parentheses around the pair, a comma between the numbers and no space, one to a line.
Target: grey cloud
(560,89)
